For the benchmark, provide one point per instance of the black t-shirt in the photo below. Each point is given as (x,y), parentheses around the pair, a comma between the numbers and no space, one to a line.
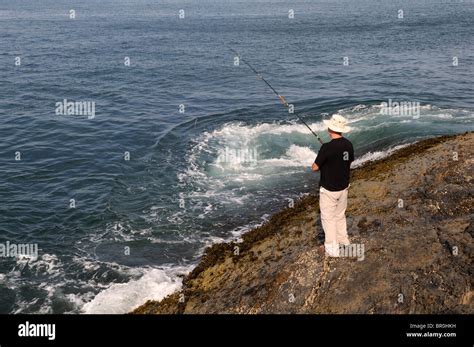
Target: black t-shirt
(334,162)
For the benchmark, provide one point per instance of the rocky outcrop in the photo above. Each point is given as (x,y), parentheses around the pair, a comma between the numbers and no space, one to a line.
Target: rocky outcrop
(412,216)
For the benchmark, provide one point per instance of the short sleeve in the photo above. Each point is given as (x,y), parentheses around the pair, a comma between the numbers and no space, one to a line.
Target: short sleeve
(321,157)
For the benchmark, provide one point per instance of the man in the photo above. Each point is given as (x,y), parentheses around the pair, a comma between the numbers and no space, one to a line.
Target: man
(334,162)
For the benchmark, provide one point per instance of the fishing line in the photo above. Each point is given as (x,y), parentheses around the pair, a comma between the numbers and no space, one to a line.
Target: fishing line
(281,97)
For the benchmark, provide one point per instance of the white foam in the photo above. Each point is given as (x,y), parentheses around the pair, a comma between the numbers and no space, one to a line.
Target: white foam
(372,156)
(120,231)
(46,263)
(239,231)
(145,284)
(441,115)
(239,136)
(155,284)
(295,156)
(304,156)
(244,133)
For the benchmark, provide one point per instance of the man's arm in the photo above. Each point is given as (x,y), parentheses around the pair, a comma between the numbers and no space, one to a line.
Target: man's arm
(320,159)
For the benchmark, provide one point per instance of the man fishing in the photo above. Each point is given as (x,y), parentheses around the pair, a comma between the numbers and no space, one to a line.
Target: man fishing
(334,161)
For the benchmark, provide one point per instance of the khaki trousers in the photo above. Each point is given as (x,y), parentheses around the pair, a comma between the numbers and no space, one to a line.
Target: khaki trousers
(333,218)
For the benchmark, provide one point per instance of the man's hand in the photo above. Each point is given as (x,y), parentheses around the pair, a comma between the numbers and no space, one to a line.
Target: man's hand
(315,167)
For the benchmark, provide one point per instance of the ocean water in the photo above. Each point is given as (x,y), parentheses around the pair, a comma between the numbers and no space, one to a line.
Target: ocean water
(139,224)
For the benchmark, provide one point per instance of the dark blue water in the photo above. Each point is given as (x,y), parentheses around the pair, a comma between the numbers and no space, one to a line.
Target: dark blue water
(174,197)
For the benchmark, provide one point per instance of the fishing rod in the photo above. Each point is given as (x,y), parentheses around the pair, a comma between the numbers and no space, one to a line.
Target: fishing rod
(281,97)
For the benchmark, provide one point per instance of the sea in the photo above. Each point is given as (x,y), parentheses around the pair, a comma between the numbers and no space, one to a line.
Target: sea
(132,136)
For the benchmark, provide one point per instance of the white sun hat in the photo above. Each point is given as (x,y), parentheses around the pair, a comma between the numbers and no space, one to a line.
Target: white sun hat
(337,123)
